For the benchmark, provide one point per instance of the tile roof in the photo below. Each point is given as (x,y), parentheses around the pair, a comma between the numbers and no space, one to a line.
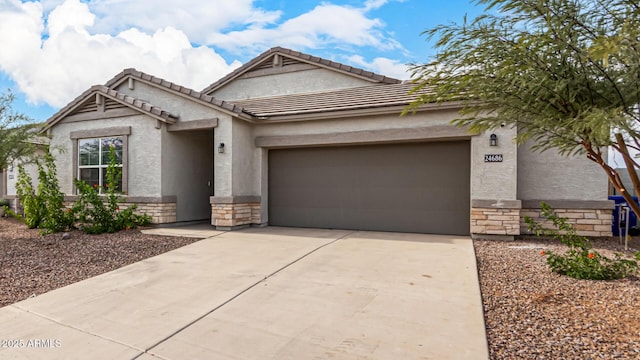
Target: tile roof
(183,90)
(127,100)
(138,104)
(354,71)
(366,97)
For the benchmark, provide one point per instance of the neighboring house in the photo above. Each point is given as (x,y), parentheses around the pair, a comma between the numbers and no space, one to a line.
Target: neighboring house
(626,180)
(9,176)
(290,139)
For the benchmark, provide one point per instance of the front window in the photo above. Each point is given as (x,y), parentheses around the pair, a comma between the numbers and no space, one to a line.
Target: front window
(93,159)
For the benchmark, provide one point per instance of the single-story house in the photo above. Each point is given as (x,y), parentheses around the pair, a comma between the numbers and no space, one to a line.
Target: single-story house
(290,139)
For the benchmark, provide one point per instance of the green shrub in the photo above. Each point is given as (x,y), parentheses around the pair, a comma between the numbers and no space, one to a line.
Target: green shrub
(56,217)
(4,207)
(31,203)
(44,208)
(580,261)
(97,216)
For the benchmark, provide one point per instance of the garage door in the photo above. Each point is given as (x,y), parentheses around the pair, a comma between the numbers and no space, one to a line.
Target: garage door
(421,187)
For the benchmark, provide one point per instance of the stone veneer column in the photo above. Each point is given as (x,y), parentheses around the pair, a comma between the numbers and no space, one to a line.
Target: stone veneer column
(229,212)
(495,219)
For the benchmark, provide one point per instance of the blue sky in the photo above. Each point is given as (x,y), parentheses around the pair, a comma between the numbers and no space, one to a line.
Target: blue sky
(53,50)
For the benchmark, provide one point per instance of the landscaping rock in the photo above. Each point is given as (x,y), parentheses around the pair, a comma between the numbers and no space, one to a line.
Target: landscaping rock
(532,313)
(32,264)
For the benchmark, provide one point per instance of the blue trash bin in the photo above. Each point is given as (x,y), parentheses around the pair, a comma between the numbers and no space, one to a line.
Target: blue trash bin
(633,220)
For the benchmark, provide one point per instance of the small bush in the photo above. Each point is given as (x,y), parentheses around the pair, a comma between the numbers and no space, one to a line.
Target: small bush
(580,261)
(43,209)
(95,216)
(4,207)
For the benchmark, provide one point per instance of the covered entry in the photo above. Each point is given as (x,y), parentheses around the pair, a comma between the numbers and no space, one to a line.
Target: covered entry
(415,187)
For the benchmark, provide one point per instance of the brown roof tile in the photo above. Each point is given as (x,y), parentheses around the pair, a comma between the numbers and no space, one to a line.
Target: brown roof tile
(223,105)
(374,96)
(114,95)
(303,57)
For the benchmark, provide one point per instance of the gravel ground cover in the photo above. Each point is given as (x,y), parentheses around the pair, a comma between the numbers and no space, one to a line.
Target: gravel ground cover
(31,264)
(532,313)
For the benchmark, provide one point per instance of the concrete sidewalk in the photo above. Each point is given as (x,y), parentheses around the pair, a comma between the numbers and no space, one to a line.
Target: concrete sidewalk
(269,293)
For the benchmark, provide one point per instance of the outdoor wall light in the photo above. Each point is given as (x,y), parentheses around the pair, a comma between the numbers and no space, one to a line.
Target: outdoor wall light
(493,140)
(221,148)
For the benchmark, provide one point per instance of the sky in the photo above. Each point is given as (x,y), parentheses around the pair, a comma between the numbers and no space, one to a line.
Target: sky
(53,50)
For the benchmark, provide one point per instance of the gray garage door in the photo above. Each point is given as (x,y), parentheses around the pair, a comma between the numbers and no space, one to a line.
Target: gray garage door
(421,187)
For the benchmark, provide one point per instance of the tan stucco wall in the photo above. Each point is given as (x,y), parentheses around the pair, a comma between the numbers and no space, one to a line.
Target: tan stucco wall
(287,83)
(494,180)
(144,152)
(186,109)
(246,168)
(551,176)
(222,162)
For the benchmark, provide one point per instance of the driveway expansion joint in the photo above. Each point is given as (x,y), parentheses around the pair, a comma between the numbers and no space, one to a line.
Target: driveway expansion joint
(191,323)
(45,317)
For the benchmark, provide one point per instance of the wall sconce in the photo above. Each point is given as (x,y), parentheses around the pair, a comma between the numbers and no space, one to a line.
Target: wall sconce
(221,148)
(493,140)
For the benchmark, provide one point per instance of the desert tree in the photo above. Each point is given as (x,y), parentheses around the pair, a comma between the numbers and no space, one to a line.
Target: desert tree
(18,133)
(565,73)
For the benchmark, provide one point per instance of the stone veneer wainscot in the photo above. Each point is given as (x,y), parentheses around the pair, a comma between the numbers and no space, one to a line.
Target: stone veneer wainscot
(162,210)
(590,218)
(504,219)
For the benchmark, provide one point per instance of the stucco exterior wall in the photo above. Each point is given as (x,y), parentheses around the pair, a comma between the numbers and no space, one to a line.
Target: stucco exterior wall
(494,180)
(187,171)
(246,170)
(177,105)
(144,152)
(287,83)
(551,176)
(223,162)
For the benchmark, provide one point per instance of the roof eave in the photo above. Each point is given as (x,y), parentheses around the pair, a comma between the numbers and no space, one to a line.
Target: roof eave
(364,111)
(155,112)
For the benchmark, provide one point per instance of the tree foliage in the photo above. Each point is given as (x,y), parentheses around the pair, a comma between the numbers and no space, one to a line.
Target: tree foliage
(17,133)
(566,73)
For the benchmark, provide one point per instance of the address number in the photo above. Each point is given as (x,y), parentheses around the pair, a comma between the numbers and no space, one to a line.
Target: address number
(493,158)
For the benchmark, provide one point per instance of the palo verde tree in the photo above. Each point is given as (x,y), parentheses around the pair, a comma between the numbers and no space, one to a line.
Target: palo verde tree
(17,133)
(566,73)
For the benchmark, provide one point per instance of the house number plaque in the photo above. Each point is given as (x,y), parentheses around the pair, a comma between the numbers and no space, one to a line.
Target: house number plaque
(493,158)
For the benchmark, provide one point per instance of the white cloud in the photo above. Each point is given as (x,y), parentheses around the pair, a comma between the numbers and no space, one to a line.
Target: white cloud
(383,66)
(196,18)
(55,49)
(374,4)
(57,69)
(325,25)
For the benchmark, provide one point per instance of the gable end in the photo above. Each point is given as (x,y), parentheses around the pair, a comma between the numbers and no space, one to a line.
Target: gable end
(285,60)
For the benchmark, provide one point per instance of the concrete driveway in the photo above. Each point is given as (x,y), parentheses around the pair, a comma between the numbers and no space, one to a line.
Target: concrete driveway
(266,293)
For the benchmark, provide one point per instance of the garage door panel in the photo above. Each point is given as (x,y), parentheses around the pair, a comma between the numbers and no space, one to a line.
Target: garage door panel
(401,187)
